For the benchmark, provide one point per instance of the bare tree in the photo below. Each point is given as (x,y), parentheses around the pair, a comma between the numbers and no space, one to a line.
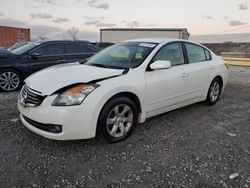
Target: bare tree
(73,33)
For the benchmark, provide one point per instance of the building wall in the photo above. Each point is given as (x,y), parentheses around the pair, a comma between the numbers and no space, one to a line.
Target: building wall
(117,36)
(11,35)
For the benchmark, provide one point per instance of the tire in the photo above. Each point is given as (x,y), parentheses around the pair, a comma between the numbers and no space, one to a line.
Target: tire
(117,119)
(214,92)
(10,80)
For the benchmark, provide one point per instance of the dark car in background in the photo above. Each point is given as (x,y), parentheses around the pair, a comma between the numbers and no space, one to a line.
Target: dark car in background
(32,57)
(102,45)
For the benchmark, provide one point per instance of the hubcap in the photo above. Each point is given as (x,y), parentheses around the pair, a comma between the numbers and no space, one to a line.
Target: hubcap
(120,120)
(214,91)
(9,81)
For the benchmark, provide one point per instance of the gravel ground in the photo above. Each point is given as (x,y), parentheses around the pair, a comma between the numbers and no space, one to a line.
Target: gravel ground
(196,146)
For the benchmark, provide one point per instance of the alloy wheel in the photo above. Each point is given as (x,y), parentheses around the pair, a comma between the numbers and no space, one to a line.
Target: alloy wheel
(214,91)
(9,81)
(120,120)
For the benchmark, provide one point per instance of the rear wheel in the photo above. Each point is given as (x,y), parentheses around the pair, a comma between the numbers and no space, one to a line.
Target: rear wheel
(10,80)
(214,92)
(117,119)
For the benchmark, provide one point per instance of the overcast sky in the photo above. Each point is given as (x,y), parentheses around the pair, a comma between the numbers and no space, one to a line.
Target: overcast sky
(52,18)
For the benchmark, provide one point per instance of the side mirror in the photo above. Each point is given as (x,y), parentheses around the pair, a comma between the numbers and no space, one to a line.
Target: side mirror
(160,64)
(35,55)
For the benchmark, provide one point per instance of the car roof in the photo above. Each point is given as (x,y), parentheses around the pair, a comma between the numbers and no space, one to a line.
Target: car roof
(82,42)
(74,41)
(154,40)
(68,41)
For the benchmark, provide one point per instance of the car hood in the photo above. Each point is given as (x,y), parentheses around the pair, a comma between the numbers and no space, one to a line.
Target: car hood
(51,79)
(4,54)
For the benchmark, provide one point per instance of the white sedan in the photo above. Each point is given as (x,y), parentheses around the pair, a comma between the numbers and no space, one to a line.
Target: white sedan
(119,87)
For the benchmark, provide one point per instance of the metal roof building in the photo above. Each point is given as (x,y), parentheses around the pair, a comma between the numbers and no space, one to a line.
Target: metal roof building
(120,34)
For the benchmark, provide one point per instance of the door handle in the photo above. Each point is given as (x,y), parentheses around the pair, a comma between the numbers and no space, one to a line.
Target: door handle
(61,60)
(185,74)
(211,67)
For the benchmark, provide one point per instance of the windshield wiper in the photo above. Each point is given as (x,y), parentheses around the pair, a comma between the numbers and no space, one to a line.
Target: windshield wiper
(83,61)
(99,65)
(104,66)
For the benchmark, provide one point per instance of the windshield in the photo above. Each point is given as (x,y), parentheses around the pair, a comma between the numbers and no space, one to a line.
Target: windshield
(25,48)
(122,55)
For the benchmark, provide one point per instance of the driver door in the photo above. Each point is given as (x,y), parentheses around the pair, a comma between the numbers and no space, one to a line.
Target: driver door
(167,88)
(47,55)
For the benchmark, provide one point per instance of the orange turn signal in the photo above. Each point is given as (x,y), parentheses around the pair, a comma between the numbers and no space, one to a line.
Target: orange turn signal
(75,90)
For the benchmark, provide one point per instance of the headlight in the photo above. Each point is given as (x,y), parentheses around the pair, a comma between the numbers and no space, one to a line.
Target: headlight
(74,95)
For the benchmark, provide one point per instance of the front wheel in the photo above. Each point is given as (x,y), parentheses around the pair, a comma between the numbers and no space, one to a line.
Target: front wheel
(117,119)
(10,80)
(214,92)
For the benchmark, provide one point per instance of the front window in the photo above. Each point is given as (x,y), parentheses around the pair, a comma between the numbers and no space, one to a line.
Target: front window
(122,55)
(50,49)
(25,48)
(171,52)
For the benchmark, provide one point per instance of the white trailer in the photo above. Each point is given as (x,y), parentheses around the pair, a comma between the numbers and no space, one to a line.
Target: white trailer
(115,35)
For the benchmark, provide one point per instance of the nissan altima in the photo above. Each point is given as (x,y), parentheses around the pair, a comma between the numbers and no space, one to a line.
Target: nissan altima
(119,87)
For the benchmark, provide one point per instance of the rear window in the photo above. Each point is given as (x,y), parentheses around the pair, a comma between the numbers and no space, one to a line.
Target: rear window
(208,55)
(195,53)
(77,48)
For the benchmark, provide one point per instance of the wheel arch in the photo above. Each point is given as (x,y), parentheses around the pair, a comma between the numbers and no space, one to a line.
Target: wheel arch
(131,96)
(128,94)
(14,69)
(219,77)
(220,80)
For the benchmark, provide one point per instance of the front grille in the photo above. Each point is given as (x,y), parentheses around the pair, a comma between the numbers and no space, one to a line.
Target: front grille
(30,97)
(52,128)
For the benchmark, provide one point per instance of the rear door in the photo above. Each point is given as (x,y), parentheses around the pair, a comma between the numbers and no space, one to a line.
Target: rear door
(200,69)
(46,55)
(77,51)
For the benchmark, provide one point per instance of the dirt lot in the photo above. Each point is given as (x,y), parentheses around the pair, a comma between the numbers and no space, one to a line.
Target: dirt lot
(196,146)
(229,47)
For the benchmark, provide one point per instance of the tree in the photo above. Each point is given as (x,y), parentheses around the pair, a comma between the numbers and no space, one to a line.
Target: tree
(73,33)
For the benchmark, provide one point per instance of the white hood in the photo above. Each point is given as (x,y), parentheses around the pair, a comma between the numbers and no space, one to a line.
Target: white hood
(54,78)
